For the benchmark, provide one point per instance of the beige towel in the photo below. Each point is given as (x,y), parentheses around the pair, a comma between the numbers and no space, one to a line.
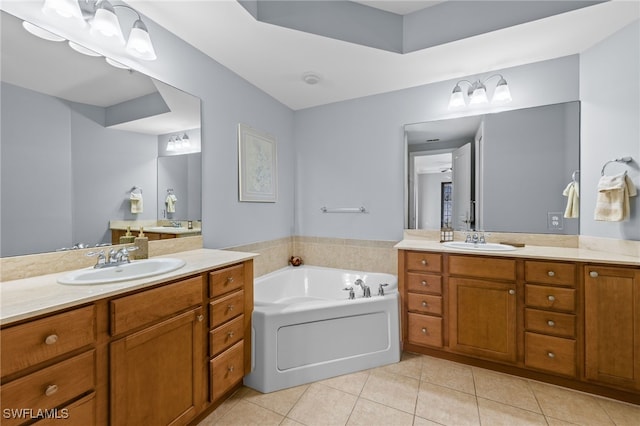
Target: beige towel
(171,203)
(136,202)
(573,200)
(612,203)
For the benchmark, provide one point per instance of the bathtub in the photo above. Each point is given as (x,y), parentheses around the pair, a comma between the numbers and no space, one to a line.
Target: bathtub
(305,328)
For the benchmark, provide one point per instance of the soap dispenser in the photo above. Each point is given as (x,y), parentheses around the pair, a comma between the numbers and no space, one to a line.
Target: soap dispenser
(142,243)
(128,238)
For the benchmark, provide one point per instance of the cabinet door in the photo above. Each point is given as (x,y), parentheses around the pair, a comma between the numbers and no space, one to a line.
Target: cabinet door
(483,318)
(612,325)
(156,373)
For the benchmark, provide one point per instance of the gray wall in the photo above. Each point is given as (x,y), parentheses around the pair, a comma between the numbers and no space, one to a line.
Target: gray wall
(610,94)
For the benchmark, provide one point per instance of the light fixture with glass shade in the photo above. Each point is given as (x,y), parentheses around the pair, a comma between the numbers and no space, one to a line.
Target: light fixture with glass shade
(186,142)
(64,8)
(105,23)
(477,93)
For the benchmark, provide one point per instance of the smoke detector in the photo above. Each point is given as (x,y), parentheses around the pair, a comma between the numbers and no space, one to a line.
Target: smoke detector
(310,78)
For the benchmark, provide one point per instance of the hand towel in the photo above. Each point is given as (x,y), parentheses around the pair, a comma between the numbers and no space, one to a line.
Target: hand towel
(573,200)
(171,203)
(136,202)
(612,202)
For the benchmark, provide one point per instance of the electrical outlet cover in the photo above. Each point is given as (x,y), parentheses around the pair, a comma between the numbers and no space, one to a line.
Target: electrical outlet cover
(555,220)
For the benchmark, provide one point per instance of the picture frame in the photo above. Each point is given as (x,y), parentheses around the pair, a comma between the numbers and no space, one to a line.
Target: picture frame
(257,166)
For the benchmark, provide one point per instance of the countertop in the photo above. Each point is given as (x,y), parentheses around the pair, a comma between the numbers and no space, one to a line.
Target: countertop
(529,251)
(158,230)
(29,297)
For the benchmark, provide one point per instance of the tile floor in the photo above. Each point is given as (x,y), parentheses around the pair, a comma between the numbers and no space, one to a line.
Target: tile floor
(421,391)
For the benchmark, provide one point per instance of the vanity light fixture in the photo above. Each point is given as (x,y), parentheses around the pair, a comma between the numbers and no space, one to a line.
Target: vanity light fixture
(186,142)
(477,93)
(179,143)
(41,32)
(171,145)
(104,24)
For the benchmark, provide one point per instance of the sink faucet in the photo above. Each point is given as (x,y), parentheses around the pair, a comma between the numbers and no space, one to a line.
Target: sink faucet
(366,291)
(116,257)
(176,224)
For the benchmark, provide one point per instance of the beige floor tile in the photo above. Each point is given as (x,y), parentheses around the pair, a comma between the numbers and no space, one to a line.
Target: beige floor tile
(392,390)
(246,414)
(410,365)
(505,389)
(290,422)
(419,421)
(281,401)
(496,414)
(571,406)
(557,422)
(369,413)
(446,406)
(350,383)
(447,373)
(621,413)
(223,408)
(322,405)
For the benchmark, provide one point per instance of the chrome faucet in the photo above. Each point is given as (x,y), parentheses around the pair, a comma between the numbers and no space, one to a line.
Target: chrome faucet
(352,294)
(176,224)
(116,257)
(381,289)
(366,291)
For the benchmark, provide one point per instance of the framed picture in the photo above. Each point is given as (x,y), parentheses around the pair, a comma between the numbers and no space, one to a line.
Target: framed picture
(257,166)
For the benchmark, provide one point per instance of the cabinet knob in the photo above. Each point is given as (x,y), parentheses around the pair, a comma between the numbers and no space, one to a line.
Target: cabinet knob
(424,261)
(423,283)
(230,280)
(512,291)
(230,334)
(551,298)
(551,355)
(51,389)
(200,317)
(230,369)
(424,304)
(51,339)
(551,274)
(424,330)
(551,323)
(593,274)
(229,307)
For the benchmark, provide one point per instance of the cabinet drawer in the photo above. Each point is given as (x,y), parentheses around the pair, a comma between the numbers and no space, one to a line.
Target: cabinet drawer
(554,273)
(226,335)
(550,322)
(424,303)
(424,330)
(227,369)
(226,280)
(481,267)
(424,283)
(549,353)
(555,298)
(79,413)
(37,341)
(152,305)
(225,308)
(422,261)
(51,386)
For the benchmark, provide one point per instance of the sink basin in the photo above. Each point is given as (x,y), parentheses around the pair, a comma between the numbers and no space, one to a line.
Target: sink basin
(129,271)
(479,247)
(163,228)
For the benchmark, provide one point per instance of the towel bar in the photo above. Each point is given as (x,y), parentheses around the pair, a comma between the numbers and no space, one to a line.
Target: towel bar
(344,210)
(616,160)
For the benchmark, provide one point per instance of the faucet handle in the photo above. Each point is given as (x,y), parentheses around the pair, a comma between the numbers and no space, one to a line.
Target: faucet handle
(102,259)
(352,294)
(381,289)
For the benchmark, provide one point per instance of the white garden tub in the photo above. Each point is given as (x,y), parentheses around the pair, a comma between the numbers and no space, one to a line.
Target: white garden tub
(305,328)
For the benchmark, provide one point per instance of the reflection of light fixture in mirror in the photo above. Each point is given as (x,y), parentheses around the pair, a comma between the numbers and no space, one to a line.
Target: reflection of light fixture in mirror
(186,142)
(477,93)
(104,23)
(41,32)
(171,145)
(81,49)
(177,143)
(116,64)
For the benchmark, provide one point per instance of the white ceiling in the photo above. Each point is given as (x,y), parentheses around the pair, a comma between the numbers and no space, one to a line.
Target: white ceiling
(274,58)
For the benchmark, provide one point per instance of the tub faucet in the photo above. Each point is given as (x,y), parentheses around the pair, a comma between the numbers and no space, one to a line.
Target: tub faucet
(352,294)
(366,291)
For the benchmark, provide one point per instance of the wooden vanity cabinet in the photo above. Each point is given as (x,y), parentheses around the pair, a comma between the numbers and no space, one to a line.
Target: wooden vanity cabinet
(612,326)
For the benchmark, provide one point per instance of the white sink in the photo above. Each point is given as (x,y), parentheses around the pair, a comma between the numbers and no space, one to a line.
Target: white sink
(479,247)
(128,271)
(163,228)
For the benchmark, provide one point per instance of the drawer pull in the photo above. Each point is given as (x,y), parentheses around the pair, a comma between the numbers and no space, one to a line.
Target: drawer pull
(424,262)
(551,298)
(551,274)
(51,339)
(424,304)
(512,291)
(51,389)
(551,355)
(230,280)
(551,323)
(230,334)
(230,369)
(424,330)
(200,317)
(229,307)
(423,283)
(593,274)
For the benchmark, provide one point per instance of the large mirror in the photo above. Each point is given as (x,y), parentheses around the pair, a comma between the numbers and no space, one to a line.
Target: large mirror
(78,137)
(501,172)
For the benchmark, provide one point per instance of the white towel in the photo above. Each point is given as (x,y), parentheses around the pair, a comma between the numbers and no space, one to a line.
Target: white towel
(136,202)
(573,200)
(612,203)
(171,203)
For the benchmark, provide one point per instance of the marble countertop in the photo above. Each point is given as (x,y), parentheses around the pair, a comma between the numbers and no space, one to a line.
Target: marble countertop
(29,297)
(158,230)
(529,251)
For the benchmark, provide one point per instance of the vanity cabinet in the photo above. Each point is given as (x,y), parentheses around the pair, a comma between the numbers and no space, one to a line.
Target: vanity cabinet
(612,327)
(482,303)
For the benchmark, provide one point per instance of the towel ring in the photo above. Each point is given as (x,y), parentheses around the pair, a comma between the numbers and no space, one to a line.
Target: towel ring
(574,175)
(616,160)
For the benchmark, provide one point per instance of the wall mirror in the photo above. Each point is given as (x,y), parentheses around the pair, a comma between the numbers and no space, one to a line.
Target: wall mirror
(77,136)
(507,171)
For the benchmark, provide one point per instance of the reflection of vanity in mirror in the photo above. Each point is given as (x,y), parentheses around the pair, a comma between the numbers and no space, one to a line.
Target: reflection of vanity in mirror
(78,135)
(500,172)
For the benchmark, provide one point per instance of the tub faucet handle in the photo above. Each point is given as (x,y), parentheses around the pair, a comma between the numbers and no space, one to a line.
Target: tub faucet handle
(381,289)
(352,294)
(367,291)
